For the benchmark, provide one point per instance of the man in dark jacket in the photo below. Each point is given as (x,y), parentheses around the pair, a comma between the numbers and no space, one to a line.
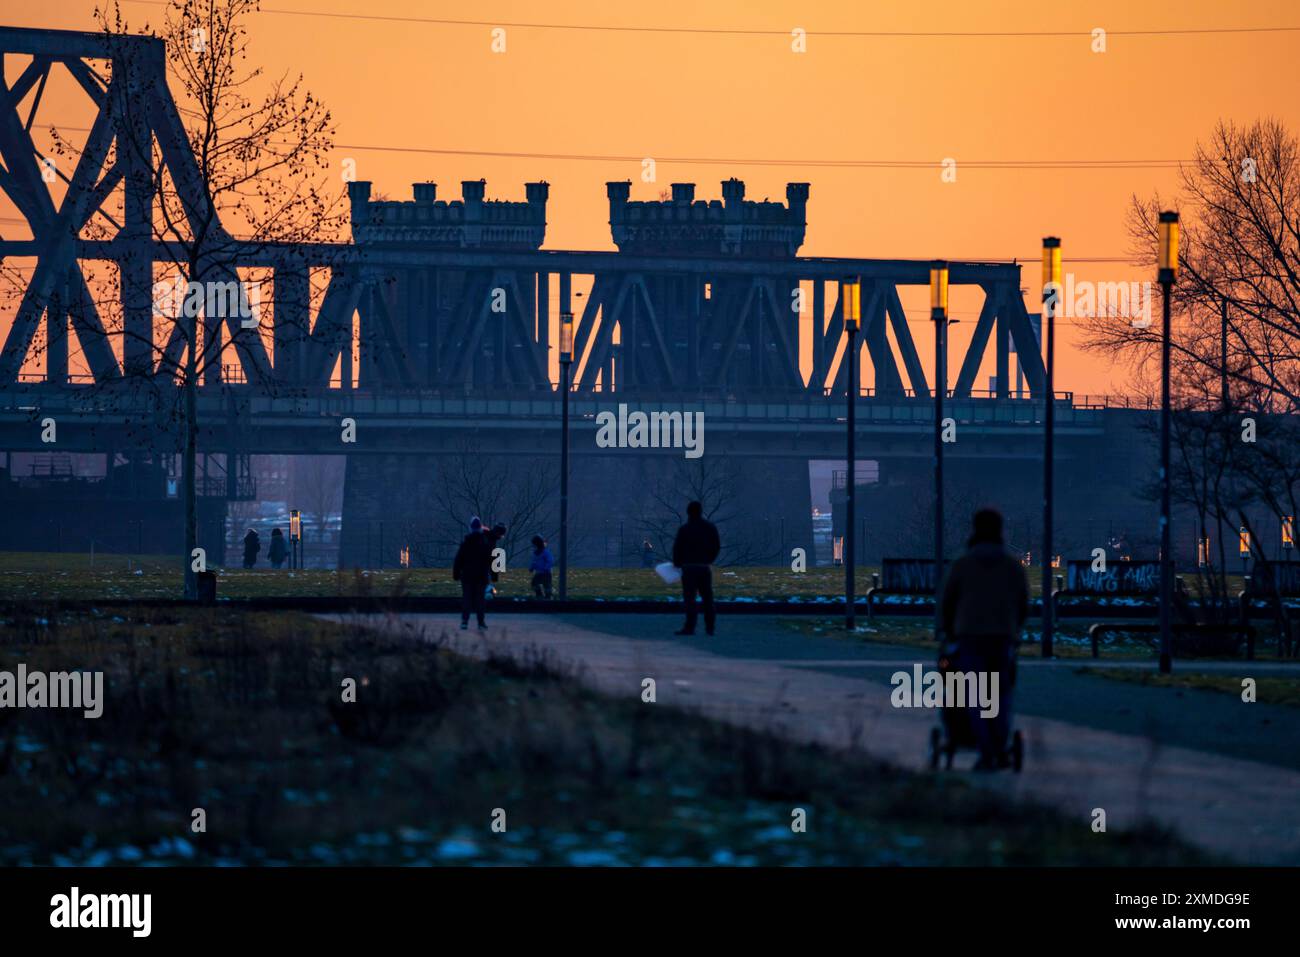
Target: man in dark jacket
(252,545)
(695,548)
(278,551)
(985,604)
(473,569)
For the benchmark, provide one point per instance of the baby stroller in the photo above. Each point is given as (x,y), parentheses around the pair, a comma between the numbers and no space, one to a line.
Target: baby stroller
(957,729)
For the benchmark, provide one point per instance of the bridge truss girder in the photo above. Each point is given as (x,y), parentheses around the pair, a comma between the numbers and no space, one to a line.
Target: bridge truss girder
(430,318)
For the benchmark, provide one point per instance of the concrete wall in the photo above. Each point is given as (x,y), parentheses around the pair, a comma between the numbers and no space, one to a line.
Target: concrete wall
(761,505)
(1102,486)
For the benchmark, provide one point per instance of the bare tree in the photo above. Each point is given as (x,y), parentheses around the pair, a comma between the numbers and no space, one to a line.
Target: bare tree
(519,493)
(716,484)
(1240,268)
(1234,342)
(318,485)
(235,168)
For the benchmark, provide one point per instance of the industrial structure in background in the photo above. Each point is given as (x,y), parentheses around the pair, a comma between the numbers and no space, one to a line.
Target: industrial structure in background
(433,331)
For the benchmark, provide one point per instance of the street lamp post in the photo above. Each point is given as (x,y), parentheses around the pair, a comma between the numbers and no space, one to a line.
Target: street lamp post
(939,313)
(1167,275)
(851,308)
(566,360)
(295,536)
(1051,295)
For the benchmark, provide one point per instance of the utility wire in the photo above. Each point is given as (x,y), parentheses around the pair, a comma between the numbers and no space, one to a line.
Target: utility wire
(1011,164)
(750,32)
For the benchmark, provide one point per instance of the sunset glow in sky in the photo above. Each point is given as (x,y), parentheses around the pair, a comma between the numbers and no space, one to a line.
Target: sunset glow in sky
(397,88)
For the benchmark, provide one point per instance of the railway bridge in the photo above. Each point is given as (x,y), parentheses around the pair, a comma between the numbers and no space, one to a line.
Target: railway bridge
(434,329)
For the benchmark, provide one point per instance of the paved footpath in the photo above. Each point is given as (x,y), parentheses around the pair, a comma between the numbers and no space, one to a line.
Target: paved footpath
(1222,773)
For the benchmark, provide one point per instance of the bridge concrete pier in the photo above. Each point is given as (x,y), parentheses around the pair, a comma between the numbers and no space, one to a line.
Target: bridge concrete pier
(618,500)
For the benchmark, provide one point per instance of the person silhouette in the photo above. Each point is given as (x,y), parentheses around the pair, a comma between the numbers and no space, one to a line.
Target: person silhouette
(985,602)
(472,567)
(279,551)
(695,548)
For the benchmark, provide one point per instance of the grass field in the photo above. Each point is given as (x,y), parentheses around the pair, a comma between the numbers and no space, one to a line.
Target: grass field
(58,575)
(109,576)
(241,714)
(1270,690)
(1071,637)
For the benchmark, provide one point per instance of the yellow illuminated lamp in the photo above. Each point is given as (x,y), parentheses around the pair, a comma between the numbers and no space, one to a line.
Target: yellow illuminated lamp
(1168,262)
(1288,531)
(851,304)
(1243,545)
(295,524)
(1203,551)
(566,337)
(1051,266)
(404,557)
(939,287)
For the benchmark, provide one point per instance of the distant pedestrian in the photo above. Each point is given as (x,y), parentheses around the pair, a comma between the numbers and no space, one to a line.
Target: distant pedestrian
(985,604)
(696,548)
(648,555)
(278,551)
(472,567)
(252,545)
(540,565)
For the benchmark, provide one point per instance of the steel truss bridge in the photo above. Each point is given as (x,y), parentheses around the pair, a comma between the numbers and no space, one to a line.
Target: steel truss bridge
(698,328)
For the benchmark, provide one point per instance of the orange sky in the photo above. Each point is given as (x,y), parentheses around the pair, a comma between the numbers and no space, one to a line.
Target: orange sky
(643,94)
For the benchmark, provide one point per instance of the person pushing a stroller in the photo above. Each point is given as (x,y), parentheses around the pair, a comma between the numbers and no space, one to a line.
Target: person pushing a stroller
(985,604)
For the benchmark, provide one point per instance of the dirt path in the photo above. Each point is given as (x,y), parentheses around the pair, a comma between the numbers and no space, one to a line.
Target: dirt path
(758,672)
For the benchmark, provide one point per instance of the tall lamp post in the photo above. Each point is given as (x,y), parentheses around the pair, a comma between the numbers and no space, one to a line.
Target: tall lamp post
(851,308)
(566,360)
(1167,276)
(295,537)
(939,313)
(1051,295)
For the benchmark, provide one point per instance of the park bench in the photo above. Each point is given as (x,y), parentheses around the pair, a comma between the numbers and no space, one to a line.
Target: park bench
(1280,580)
(1195,638)
(1121,579)
(1134,580)
(909,577)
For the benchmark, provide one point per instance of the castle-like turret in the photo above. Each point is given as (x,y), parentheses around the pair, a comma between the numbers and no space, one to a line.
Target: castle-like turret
(734,226)
(469,222)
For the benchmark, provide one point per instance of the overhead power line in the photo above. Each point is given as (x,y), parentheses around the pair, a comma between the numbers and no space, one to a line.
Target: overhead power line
(930,164)
(1012,164)
(753,32)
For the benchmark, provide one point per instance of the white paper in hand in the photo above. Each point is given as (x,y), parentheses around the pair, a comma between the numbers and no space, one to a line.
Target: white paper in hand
(669,573)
